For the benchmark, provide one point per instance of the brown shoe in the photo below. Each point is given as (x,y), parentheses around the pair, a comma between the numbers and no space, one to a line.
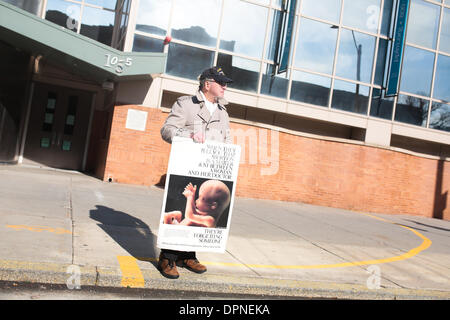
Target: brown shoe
(168,268)
(192,264)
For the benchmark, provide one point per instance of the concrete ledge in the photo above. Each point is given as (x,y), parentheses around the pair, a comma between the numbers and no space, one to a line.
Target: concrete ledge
(57,274)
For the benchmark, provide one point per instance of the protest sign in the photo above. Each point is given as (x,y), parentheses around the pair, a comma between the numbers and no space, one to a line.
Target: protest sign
(198,196)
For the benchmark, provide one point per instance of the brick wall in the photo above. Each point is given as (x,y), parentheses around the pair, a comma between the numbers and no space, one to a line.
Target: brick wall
(321,172)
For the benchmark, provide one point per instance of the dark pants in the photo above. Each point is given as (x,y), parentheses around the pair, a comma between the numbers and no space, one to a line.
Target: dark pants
(177,255)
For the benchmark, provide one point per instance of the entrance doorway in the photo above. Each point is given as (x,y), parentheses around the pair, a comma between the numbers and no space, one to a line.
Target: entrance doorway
(58,126)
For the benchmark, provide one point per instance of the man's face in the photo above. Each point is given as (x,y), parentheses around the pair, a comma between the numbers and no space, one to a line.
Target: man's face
(215,89)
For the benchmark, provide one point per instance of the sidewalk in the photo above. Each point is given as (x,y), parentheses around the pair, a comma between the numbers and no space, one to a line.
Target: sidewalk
(55,224)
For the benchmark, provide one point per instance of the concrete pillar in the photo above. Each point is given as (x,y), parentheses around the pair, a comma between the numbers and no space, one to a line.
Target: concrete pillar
(378,132)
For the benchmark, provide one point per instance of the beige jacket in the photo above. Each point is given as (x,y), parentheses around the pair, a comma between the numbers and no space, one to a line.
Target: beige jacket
(189,114)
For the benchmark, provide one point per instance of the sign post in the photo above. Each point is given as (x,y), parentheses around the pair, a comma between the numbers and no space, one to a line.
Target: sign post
(199,196)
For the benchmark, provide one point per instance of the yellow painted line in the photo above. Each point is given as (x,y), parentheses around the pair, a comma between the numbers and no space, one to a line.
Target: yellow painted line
(39,229)
(426,243)
(131,274)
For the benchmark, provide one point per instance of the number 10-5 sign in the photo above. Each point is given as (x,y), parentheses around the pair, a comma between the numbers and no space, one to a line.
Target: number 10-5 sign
(118,64)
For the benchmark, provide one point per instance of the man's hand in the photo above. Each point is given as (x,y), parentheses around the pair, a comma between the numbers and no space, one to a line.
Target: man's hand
(198,137)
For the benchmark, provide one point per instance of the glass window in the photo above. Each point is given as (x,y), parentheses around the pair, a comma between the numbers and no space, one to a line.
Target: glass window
(274,85)
(440,116)
(146,44)
(49,115)
(65,14)
(109,4)
(265,2)
(381,67)
(97,24)
(362,14)
(243,28)
(199,60)
(423,23)
(316,46)
(32,6)
(387,18)
(411,110)
(444,42)
(355,58)
(153,16)
(273,42)
(274,26)
(194,25)
(442,80)
(327,10)
(310,88)
(381,107)
(350,97)
(417,71)
(244,72)
(69,125)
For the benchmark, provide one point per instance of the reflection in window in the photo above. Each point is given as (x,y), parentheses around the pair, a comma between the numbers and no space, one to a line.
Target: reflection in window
(274,30)
(194,25)
(444,42)
(32,6)
(109,4)
(442,80)
(274,25)
(274,85)
(382,66)
(423,24)
(97,24)
(350,97)
(440,116)
(362,14)
(153,17)
(266,2)
(316,46)
(417,71)
(146,44)
(244,72)
(411,110)
(63,13)
(243,32)
(355,58)
(387,18)
(381,107)
(199,60)
(327,10)
(310,88)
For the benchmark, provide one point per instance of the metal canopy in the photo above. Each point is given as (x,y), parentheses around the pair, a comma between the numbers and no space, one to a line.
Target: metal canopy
(80,54)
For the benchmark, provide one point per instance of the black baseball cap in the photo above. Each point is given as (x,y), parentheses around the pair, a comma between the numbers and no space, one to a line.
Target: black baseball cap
(215,73)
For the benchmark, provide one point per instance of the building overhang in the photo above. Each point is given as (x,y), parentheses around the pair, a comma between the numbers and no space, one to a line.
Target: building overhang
(79,54)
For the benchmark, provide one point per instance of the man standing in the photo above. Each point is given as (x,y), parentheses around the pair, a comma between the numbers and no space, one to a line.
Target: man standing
(200,117)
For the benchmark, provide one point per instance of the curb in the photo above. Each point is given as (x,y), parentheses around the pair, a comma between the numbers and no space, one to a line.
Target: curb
(63,274)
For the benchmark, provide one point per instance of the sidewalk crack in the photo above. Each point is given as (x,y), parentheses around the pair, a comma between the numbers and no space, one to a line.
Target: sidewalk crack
(70,216)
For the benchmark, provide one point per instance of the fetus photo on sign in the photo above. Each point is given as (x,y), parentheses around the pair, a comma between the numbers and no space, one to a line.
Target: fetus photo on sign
(198,202)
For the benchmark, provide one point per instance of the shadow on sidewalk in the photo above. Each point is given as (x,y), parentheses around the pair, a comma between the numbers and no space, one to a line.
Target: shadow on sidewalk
(129,232)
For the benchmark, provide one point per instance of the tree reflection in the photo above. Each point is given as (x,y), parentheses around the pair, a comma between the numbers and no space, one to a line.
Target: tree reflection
(412,110)
(440,116)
